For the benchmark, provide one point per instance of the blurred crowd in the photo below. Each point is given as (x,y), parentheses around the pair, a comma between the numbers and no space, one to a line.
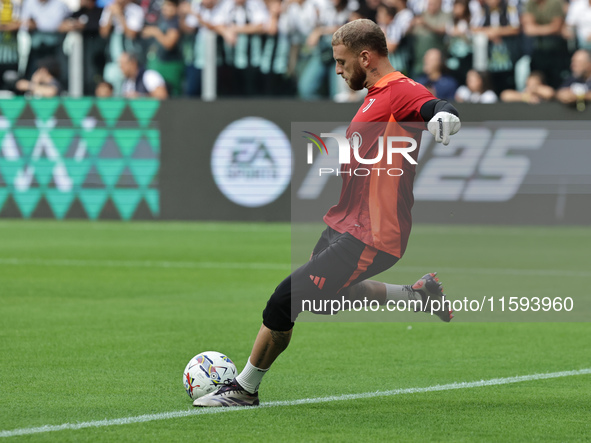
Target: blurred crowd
(480,51)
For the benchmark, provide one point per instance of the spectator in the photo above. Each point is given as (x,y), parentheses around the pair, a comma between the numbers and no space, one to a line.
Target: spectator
(44,81)
(384,18)
(42,19)
(543,21)
(276,52)
(476,12)
(103,90)
(318,77)
(86,20)
(9,24)
(477,89)
(579,18)
(577,88)
(43,15)
(299,19)
(193,18)
(300,16)
(367,9)
(121,23)
(396,33)
(418,7)
(500,23)
(152,10)
(536,91)
(433,78)
(460,40)
(242,24)
(428,30)
(122,17)
(140,82)
(164,55)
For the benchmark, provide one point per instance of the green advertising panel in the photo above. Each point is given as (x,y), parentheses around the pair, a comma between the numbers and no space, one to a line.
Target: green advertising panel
(79,158)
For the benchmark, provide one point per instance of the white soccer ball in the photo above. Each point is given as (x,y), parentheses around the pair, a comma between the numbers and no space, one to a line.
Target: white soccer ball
(206,371)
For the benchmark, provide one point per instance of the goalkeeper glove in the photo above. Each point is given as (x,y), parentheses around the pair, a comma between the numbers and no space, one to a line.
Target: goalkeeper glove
(442,125)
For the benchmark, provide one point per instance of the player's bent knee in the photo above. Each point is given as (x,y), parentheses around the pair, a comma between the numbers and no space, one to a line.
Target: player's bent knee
(277,315)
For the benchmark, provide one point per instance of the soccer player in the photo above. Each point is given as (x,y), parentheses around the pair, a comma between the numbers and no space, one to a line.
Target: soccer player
(368,229)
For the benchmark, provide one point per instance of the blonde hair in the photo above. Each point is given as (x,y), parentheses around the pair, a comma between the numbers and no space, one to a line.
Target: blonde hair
(360,35)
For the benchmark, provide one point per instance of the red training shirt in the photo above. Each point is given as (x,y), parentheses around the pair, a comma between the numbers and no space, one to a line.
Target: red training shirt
(376,209)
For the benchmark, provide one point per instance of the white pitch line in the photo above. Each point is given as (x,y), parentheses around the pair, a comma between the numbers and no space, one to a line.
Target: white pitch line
(103,225)
(274,266)
(143,264)
(500,271)
(303,401)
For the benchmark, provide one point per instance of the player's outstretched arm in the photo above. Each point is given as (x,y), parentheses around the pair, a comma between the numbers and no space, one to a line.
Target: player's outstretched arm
(443,118)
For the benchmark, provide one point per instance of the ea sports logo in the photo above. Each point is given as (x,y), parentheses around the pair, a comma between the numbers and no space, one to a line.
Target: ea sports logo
(251,162)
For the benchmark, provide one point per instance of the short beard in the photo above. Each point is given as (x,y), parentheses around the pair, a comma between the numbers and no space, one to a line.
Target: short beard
(358,78)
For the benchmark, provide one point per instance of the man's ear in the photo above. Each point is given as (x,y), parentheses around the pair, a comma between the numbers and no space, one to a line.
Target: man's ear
(365,58)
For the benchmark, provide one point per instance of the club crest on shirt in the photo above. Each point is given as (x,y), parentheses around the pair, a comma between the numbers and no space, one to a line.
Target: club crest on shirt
(355,140)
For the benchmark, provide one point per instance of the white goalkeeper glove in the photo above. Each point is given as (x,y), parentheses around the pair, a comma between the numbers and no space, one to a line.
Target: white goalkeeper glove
(443,125)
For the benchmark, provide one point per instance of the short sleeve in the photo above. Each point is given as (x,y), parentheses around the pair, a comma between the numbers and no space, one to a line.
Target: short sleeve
(406,99)
(105,16)
(513,16)
(401,22)
(25,14)
(392,34)
(65,11)
(406,20)
(463,93)
(476,14)
(488,97)
(259,12)
(573,13)
(556,9)
(221,14)
(464,27)
(152,80)
(134,16)
(191,21)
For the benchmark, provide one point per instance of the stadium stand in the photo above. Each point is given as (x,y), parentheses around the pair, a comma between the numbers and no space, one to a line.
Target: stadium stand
(258,48)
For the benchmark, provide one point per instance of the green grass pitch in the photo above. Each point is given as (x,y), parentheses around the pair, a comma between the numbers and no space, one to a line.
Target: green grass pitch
(97,322)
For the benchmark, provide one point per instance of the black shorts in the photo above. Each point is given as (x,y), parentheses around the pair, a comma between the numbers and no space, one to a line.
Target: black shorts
(337,262)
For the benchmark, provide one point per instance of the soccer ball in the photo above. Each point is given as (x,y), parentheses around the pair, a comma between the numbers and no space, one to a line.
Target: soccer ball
(206,371)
